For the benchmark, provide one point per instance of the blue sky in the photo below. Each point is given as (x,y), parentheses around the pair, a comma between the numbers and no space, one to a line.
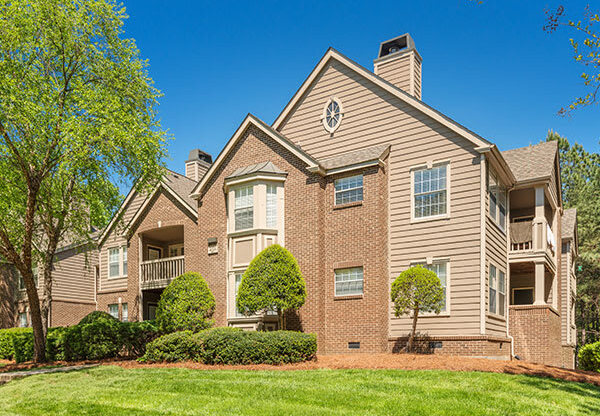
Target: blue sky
(490,67)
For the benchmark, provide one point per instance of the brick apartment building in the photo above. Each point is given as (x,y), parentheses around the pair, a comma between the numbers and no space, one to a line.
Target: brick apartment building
(360,179)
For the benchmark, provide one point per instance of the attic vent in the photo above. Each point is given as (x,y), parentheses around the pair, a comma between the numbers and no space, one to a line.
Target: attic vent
(354,345)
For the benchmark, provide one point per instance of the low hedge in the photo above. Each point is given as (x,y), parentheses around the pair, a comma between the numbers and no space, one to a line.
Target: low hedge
(94,338)
(7,351)
(233,346)
(589,357)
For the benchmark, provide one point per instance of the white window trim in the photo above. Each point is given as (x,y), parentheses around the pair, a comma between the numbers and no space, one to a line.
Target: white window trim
(496,221)
(335,191)
(430,165)
(113,304)
(506,286)
(324,115)
(512,292)
(429,261)
(356,280)
(122,272)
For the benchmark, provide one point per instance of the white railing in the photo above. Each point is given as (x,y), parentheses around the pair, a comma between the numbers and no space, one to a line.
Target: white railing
(161,271)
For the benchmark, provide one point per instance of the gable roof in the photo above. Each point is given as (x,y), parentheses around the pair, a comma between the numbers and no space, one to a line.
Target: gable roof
(361,157)
(532,162)
(568,223)
(333,54)
(264,167)
(237,136)
(179,186)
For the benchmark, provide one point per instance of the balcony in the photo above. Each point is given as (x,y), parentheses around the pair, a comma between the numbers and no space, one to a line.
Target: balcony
(530,240)
(155,274)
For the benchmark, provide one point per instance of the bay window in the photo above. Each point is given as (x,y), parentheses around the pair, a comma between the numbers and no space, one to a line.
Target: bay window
(244,208)
(271,206)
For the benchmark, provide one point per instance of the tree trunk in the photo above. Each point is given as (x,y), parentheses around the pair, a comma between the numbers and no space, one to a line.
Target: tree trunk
(411,337)
(39,337)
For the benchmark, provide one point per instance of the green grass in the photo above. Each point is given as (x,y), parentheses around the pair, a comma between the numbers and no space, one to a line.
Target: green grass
(110,390)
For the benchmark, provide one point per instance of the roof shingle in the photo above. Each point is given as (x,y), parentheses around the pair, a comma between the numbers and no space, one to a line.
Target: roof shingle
(532,162)
(352,158)
(568,222)
(263,167)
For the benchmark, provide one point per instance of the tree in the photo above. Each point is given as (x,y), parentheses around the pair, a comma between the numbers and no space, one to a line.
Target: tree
(586,49)
(416,290)
(77,112)
(186,304)
(272,282)
(580,177)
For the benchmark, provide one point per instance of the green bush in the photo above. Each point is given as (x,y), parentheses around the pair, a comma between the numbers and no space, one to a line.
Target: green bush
(97,316)
(233,346)
(136,335)
(272,281)
(177,346)
(7,351)
(589,357)
(55,344)
(96,340)
(186,304)
(23,346)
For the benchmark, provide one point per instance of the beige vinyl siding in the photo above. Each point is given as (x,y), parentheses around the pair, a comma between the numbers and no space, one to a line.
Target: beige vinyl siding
(553,186)
(495,249)
(117,239)
(371,117)
(74,275)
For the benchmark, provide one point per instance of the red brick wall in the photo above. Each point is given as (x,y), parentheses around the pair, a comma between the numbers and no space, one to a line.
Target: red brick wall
(7,295)
(69,313)
(319,237)
(568,356)
(110,297)
(537,335)
(469,346)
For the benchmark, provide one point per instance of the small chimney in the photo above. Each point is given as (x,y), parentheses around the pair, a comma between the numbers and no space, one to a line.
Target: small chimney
(197,164)
(399,63)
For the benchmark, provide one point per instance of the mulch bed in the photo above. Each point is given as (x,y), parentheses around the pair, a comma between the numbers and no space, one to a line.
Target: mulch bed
(364,361)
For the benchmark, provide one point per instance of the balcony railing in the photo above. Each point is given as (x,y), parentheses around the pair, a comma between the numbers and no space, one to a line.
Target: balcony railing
(159,273)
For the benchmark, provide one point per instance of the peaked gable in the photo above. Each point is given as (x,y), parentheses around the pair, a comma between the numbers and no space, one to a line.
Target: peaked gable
(363,73)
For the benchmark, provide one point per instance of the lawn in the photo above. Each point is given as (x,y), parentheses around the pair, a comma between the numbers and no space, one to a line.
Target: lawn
(111,390)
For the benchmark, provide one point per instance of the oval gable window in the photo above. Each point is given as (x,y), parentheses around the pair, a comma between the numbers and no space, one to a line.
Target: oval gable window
(332,115)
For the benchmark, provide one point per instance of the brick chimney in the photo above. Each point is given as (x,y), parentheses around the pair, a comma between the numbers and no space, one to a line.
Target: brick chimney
(197,164)
(399,63)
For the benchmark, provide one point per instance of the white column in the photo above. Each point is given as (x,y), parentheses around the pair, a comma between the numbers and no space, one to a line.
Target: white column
(539,222)
(539,283)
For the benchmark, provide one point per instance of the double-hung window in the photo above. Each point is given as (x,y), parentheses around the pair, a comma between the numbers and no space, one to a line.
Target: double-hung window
(113,262)
(348,189)
(271,206)
(430,192)
(113,310)
(124,273)
(497,291)
(440,268)
(349,281)
(244,208)
(497,197)
(124,312)
(23,320)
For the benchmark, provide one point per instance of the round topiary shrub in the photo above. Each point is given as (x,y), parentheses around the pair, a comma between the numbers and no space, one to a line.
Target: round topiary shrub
(97,316)
(186,304)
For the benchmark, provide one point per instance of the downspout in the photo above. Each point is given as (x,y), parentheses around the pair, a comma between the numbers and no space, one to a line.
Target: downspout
(482,226)
(507,297)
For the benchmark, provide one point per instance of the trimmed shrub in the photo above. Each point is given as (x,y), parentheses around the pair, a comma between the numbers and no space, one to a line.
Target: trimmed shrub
(272,281)
(186,304)
(23,346)
(7,351)
(97,316)
(136,335)
(233,346)
(177,346)
(589,357)
(96,340)
(55,344)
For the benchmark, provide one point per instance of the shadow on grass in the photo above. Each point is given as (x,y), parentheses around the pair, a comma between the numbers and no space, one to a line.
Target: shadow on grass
(546,381)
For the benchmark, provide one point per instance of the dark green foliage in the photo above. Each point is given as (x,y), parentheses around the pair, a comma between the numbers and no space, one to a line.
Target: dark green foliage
(233,346)
(177,346)
(272,281)
(136,335)
(7,350)
(186,304)
(97,316)
(589,357)
(96,340)
(23,346)
(55,344)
